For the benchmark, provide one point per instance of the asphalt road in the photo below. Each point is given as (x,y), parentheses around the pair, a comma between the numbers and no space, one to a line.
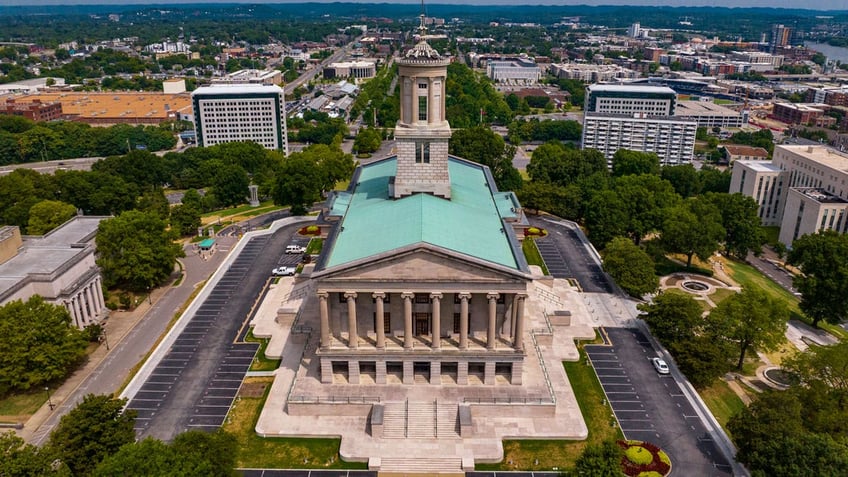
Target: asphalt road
(194,384)
(770,269)
(566,256)
(653,407)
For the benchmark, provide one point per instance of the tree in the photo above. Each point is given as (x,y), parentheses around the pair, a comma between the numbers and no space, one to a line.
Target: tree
(39,344)
(552,162)
(827,365)
(230,184)
(298,183)
(605,217)
(17,458)
(693,228)
(543,196)
(645,199)
(684,178)
(673,317)
(627,162)
(47,215)
(750,319)
(823,260)
(600,460)
(93,430)
(135,251)
(481,145)
(155,202)
(193,453)
(185,219)
(368,140)
(41,144)
(630,267)
(741,222)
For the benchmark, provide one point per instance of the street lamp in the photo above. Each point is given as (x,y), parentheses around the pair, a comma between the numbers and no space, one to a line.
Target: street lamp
(49,402)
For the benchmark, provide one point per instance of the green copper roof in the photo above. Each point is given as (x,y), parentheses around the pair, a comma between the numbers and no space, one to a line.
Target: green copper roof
(469,223)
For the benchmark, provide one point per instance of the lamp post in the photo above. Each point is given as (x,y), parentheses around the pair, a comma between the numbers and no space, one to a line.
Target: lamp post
(49,402)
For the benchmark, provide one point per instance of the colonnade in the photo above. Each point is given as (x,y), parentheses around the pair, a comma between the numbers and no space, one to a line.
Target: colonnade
(435,298)
(86,304)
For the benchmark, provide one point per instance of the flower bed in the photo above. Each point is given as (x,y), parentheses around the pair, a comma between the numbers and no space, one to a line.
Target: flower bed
(310,230)
(643,459)
(535,232)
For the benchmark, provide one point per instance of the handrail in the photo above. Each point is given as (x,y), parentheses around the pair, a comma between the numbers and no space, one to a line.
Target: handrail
(334,399)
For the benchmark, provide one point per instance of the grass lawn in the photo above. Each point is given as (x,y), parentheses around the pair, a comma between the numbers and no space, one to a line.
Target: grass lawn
(236,210)
(260,362)
(562,454)
(786,350)
(531,253)
(315,246)
(277,452)
(19,407)
(723,101)
(722,401)
(721,294)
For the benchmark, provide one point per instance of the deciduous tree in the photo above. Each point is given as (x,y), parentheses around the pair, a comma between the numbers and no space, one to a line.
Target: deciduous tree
(823,260)
(39,343)
(741,222)
(47,215)
(481,145)
(626,162)
(673,317)
(90,432)
(693,228)
(600,460)
(630,267)
(136,251)
(750,319)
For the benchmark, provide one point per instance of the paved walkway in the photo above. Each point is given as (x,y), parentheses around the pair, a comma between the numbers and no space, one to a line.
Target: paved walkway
(108,367)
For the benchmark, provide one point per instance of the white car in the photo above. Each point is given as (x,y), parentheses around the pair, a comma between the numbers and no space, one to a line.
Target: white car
(283,271)
(660,365)
(295,249)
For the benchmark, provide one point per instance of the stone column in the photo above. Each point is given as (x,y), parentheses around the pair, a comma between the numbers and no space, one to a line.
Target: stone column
(352,337)
(92,305)
(70,307)
(407,319)
(463,319)
(324,311)
(76,303)
(518,339)
(429,100)
(436,325)
(378,323)
(493,314)
(414,96)
(98,293)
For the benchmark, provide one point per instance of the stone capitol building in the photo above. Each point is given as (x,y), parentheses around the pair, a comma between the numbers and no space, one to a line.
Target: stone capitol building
(421,336)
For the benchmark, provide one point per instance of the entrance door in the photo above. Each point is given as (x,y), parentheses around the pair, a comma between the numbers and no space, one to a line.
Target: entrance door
(422,324)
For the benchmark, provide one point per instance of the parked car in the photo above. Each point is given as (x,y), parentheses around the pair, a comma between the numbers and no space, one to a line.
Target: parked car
(283,271)
(295,249)
(660,365)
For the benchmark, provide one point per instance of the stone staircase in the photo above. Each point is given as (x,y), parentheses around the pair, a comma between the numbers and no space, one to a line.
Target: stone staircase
(421,420)
(447,420)
(394,420)
(421,465)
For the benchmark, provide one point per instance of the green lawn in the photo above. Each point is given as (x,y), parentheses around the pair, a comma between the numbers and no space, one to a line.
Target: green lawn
(531,253)
(722,401)
(721,294)
(561,454)
(238,210)
(260,362)
(19,407)
(278,452)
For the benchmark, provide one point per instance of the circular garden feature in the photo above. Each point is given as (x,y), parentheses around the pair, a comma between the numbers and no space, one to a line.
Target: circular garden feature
(696,286)
(643,459)
(780,377)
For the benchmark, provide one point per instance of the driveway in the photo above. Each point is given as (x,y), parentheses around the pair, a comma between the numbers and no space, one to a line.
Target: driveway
(652,407)
(567,256)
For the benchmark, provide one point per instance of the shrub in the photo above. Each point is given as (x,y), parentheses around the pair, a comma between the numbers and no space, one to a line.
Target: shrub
(639,455)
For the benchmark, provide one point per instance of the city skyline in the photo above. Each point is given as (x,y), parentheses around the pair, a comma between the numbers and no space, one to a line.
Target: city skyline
(823,5)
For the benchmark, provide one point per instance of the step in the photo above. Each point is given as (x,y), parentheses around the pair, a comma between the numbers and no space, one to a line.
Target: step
(420,421)
(429,465)
(448,421)
(394,420)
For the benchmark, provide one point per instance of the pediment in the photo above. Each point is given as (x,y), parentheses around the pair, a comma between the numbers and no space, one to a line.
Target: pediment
(423,265)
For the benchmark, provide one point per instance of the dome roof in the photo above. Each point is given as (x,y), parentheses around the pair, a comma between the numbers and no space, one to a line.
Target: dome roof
(423,51)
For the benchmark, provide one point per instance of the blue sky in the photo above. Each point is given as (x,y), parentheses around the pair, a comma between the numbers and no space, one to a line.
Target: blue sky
(808,4)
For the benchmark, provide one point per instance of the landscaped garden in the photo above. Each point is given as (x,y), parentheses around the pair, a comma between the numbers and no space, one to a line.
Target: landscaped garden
(643,459)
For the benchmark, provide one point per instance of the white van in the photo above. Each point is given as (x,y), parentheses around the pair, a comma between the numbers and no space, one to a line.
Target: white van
(295,249)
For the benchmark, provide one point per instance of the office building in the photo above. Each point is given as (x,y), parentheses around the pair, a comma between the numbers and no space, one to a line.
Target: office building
(802,189)
(233,113)
(517,71)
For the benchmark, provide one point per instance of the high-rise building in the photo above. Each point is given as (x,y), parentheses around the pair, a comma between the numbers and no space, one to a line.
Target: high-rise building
(780,36)
(638,118)
(238,113)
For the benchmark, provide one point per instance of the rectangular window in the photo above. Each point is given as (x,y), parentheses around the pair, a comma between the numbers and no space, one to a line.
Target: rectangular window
(422,152)
(456,317)
(422,108)
(422,298)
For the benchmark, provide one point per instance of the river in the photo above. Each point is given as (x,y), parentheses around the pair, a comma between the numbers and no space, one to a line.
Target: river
(832,52)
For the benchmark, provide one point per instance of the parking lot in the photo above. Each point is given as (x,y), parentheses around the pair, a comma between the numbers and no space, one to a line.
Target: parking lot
(566,256)
(652,407)
(195,383)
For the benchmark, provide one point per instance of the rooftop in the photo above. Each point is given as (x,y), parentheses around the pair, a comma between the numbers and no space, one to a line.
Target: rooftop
(235,89)
(824,155)
(737,150)
(759,166)
(625,88)
(470,223)
(820,195)
(121,106)
(703,108)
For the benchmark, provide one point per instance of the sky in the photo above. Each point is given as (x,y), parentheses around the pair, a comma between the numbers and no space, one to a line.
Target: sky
(806,4)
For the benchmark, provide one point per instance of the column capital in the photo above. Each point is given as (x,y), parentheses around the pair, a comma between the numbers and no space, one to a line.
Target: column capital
(492,296)
(464,295)
(323,294)
(350,294)
(521,295)
(407,295)
(378,295)
(436,296)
